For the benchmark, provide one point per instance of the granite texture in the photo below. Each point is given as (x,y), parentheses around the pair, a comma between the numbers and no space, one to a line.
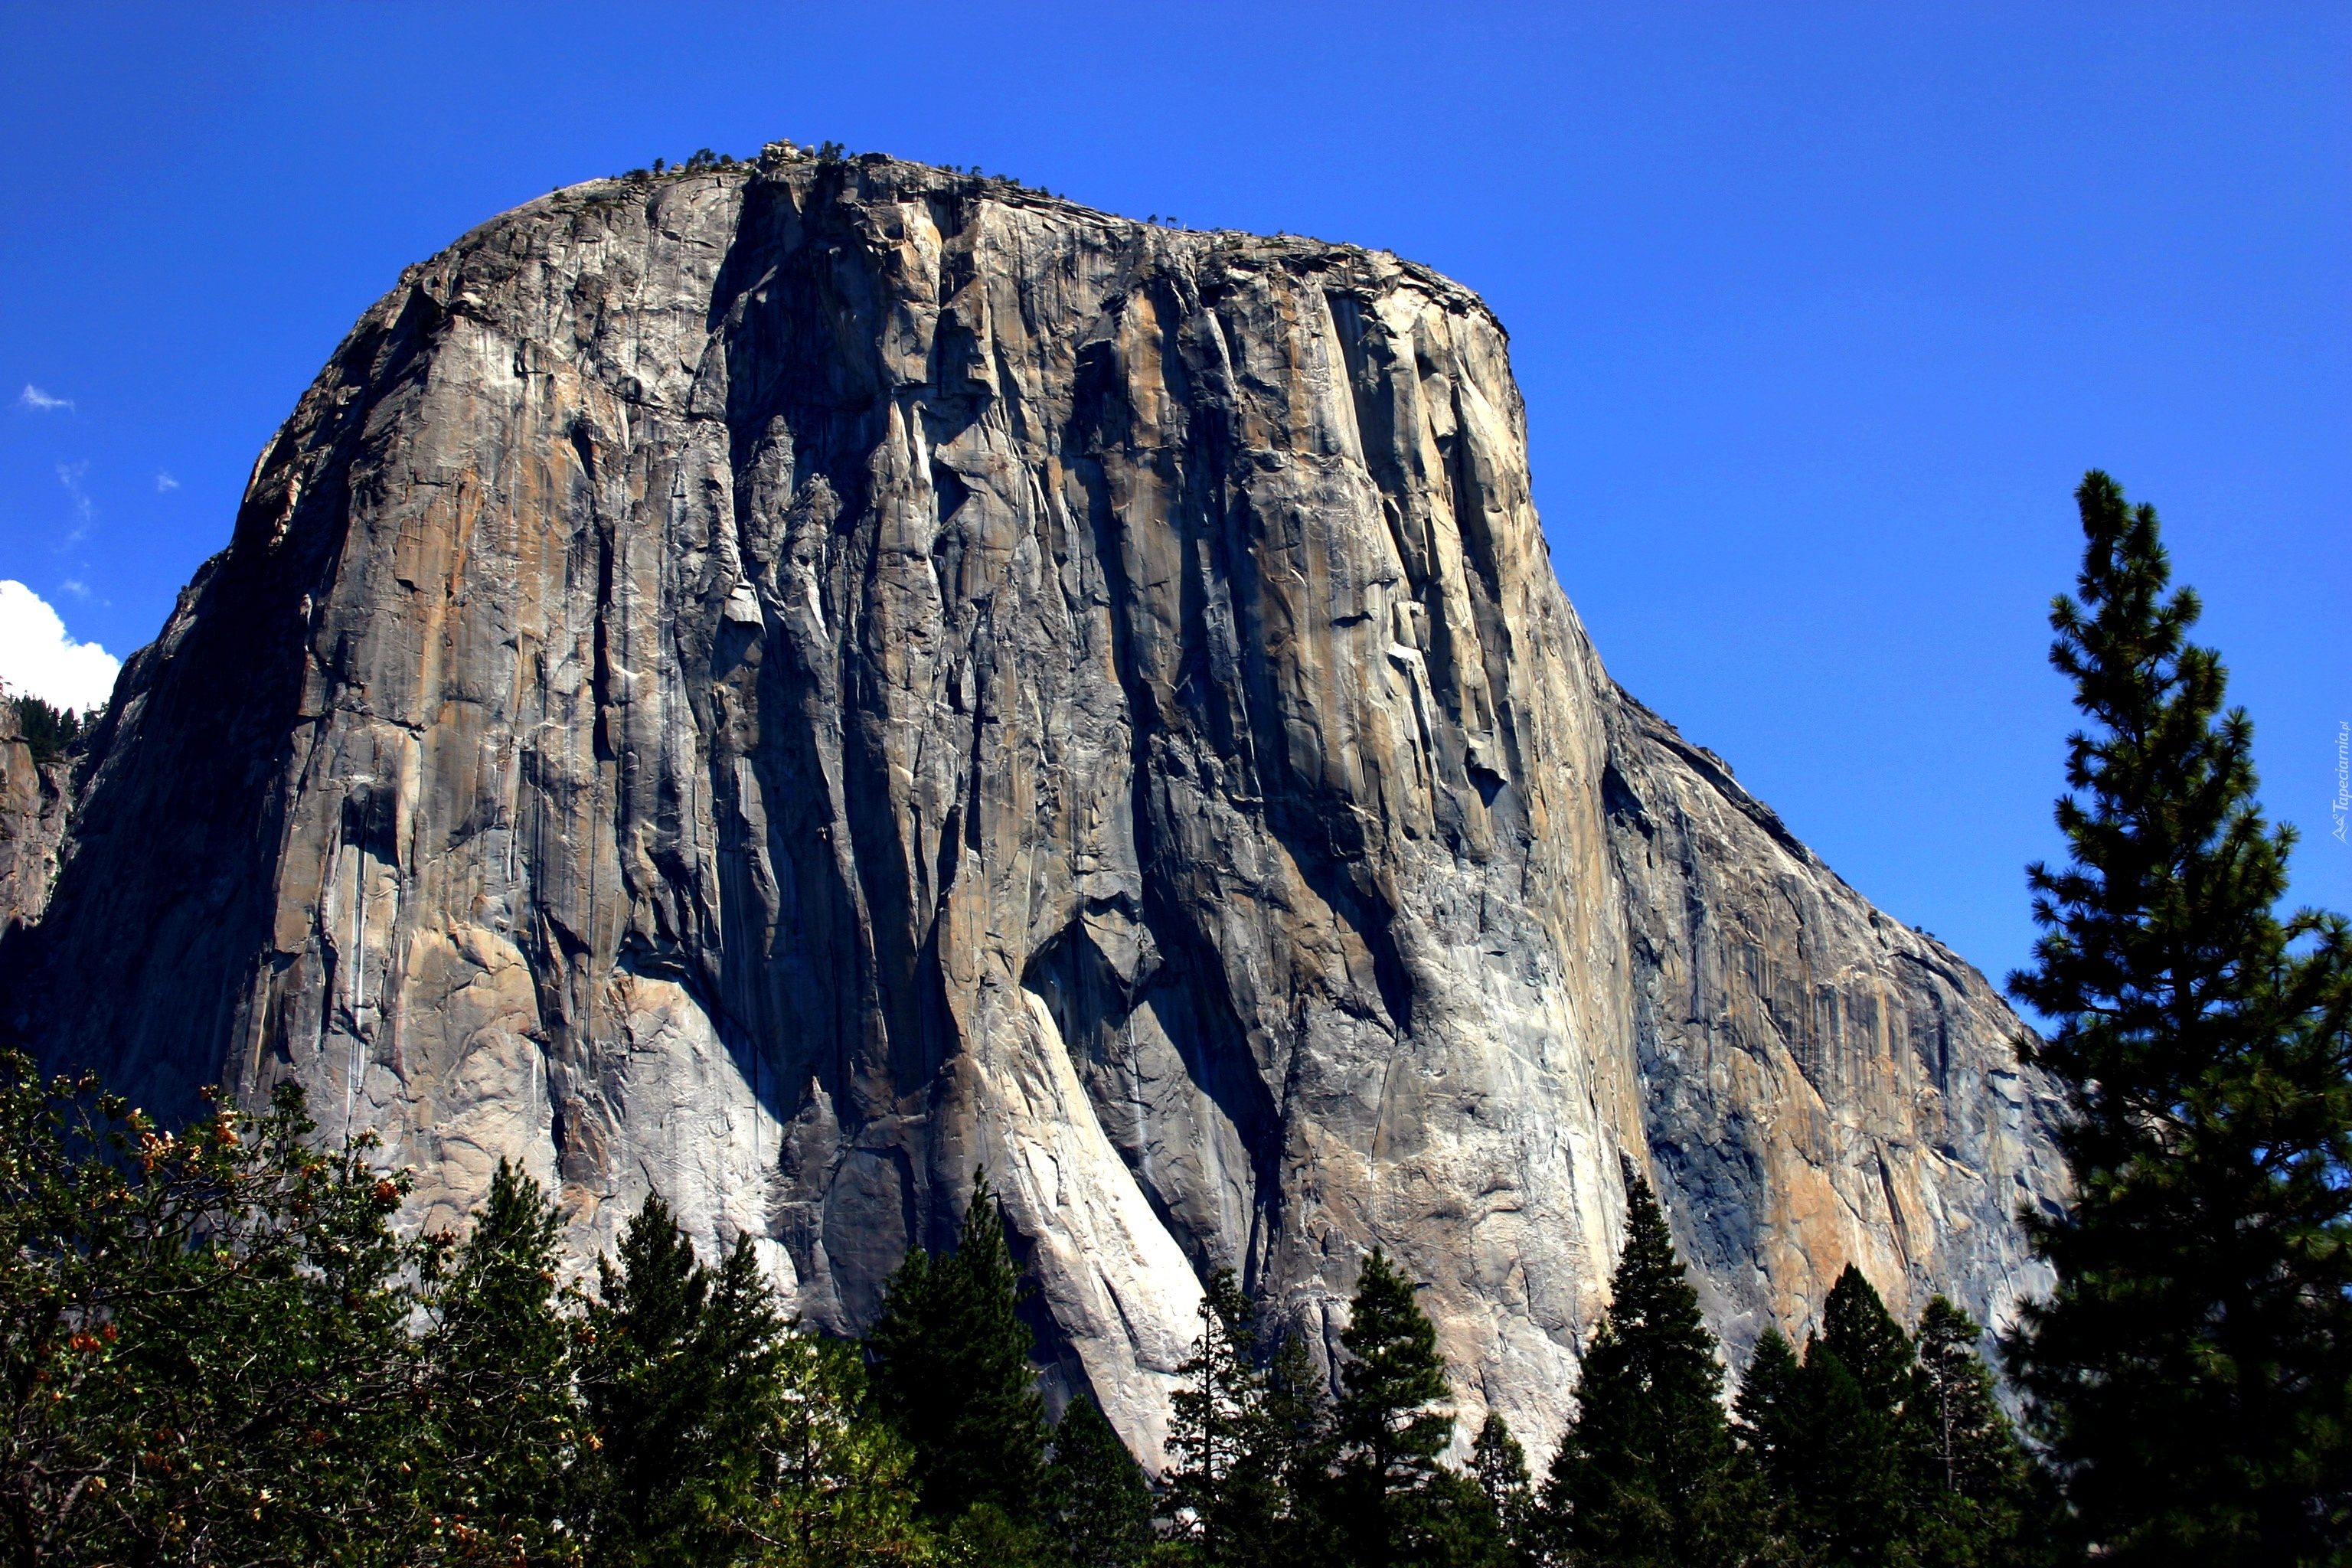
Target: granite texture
(784,685)
(35,807)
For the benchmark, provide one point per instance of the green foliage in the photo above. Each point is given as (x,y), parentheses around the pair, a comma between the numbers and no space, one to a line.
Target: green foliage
(1225,1481)
(1389,1436)
(47,732)
(203,1338)
(1767,1425)
(1499,1465)
(506,1422)
(836,1490)
(953,1375)
(216,1350)
(2192,1373)
(1848,1480)
(1645,1473)
(1908,1460)
(1451,1525)
(1971,1500)
(681,1375)
(1102,1507)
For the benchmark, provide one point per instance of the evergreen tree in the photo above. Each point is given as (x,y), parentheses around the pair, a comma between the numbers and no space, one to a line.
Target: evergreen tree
(1970,1497)
(1104,1505)
(1764,1411)
(1644,1472)
(1299,1428)
(1389,1435)
(2192,1373)
(1771,1447)
(681,1379)
(1224,1478)
(203,1339)
(1500,1465)
(838,1493)
(505,1417)
(1454,1526)
(1909,1459)
(1862,1335)
(951,1372)
(49,733)
(1844,1425)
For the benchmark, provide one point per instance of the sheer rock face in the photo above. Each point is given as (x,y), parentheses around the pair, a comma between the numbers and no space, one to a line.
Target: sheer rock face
(784,687)
(34,809)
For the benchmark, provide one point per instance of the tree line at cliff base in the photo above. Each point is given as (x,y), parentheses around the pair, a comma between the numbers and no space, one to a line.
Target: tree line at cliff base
(218,1348)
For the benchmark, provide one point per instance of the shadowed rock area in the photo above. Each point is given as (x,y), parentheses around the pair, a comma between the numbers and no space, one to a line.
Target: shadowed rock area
(785,684)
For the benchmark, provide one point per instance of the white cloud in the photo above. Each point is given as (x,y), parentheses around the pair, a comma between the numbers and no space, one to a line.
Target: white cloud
(38,402)
(164,482)
(39,660)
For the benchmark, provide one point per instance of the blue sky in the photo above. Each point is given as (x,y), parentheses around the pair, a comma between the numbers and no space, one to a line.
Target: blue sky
(1820,310)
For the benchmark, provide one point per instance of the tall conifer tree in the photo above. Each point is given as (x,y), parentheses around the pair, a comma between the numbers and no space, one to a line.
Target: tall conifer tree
(952,1373)
(1225,1478)
(507,1417)
(1388,1435)
(1499,1465)
(1846,1467)
(1644,1472)
(1766,1417)
(1102,1507)
(680,1376)
(1971,1502)
(1299,1425)
(2192,1373)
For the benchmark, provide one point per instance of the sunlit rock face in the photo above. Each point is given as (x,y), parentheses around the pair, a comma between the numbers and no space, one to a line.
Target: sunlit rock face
(35,802)
(784,686)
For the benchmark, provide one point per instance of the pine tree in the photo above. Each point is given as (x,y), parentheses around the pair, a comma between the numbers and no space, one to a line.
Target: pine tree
(837,1492)
(1389,1435)
(953,1375)
(1500,1465)
(507,1419)
(1644,1472)
(1862,1333)
(1766,1417)
(1225,1480)
(1845,1464)
(680,1373)
(1104,1506)
(1304,1452)
(1970,1492)
(2191,1374)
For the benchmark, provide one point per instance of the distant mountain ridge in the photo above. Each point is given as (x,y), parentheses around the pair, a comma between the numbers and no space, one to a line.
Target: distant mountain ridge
(786,683)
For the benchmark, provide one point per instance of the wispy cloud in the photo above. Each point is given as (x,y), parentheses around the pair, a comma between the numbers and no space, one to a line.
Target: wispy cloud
(85,512)
(37,657)
(77,589)
(34,400)
(164,482)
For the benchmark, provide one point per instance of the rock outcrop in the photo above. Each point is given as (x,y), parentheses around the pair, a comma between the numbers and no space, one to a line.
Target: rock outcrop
(35,799)
(786,685)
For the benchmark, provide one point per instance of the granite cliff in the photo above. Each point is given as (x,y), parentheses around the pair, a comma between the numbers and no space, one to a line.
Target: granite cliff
(34,806)
(785,684)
